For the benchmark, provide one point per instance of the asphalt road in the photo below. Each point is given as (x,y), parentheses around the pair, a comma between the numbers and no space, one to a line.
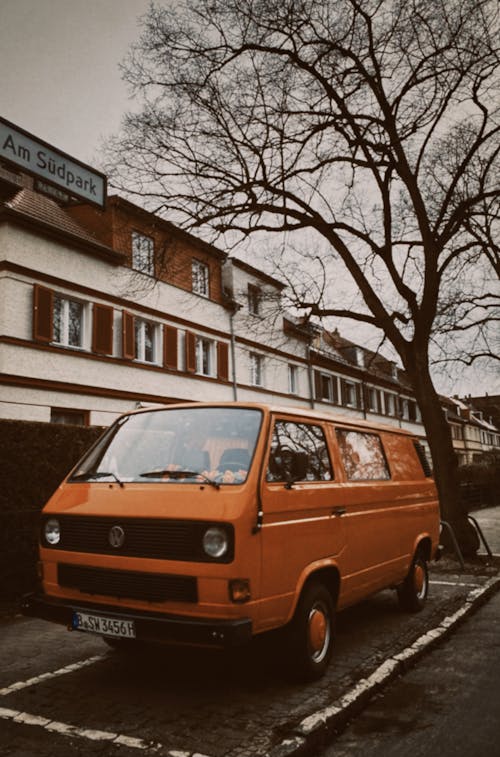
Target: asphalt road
(449,703)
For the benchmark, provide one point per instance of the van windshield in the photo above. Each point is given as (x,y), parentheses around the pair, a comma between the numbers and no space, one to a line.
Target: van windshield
(214,445)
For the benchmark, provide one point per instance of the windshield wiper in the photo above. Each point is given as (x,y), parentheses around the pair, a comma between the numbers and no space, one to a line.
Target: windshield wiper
(97,474)
(180,474)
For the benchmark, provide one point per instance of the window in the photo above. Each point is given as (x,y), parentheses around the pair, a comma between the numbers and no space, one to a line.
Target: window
(142,253)
(256,369)
(254,298)
(404,408)
(292,440)
(362,456)
(293,379)
(348,393)
(69,416)
(204,356)
(390,406)
(373,400)
(145,347)
(200,278)
(326,387)
(68,322)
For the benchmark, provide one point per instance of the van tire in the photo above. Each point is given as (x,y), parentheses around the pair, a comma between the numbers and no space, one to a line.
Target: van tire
(309,636)
(412,593)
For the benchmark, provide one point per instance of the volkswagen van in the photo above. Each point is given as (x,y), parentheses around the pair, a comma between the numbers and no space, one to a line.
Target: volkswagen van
(207,524)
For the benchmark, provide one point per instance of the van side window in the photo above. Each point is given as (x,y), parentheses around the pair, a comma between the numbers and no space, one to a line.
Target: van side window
(363,456)
(299,453)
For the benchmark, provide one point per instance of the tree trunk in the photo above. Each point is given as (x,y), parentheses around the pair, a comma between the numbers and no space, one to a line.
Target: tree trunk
(445,464)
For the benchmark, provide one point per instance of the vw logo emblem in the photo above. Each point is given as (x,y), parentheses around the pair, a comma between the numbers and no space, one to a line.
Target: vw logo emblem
(116,537)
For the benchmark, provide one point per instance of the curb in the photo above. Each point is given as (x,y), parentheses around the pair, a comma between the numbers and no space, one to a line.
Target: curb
(313,732)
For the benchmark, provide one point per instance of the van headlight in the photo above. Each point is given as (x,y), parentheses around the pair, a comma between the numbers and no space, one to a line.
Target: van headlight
(215,542)
(52,532)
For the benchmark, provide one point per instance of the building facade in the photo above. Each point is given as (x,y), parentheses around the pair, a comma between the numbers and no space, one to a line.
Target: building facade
(105,309)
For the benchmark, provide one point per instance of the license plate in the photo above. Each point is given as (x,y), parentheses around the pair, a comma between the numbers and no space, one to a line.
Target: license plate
(83,621)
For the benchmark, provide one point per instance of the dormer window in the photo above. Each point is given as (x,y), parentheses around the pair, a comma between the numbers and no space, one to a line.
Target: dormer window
(200,278)
(254,299)
(142,253)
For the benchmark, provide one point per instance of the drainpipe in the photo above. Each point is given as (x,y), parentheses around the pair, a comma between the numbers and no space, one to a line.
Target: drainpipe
(310,374)
(232,313)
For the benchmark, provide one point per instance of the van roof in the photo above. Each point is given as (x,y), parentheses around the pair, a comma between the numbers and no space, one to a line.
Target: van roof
(294,411)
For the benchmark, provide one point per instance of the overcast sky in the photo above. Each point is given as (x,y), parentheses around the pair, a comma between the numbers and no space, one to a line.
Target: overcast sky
(60,81)
(59,68)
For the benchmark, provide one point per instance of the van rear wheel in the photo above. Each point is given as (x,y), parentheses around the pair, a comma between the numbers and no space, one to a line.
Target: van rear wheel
(309,636)
(413,591)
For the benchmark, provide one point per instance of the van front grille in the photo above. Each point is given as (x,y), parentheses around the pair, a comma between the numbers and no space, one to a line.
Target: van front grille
(127,584)
(158,538)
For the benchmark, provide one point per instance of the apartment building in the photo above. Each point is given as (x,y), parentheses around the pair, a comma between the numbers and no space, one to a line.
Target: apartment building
(105,307)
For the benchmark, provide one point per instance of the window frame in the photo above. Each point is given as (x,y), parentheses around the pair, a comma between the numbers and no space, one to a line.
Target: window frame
(63,326)
(293,379)
(341,430)
(204,356)
(81,415)
(143,261)
(256,369)
(301,424)
(200,278)
(254,297)
(141,325)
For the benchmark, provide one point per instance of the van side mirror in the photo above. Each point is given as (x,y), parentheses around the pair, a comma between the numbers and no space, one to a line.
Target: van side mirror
(288,465)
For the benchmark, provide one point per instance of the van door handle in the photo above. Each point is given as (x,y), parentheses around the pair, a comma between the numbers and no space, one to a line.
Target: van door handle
(339,511)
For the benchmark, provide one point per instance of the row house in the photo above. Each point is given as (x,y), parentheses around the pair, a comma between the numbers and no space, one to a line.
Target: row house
(473,434)
(106,309)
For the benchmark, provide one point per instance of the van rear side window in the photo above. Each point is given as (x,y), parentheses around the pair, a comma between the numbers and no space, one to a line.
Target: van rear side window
(362,456)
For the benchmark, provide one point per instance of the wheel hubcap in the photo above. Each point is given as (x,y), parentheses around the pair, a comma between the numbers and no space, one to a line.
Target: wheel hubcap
(319,633)
(419,579)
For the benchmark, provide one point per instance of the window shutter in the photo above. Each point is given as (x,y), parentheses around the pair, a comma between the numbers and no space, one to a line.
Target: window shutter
(102,329)
(343,392)
(222,361)
(43,310)
(317,385)
(359,396)
(128,336)
(190,352)
(335,391)
(366,398)
(170,352)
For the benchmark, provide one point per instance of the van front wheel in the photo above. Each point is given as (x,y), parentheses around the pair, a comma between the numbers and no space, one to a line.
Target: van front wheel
(309,636)
(413,591)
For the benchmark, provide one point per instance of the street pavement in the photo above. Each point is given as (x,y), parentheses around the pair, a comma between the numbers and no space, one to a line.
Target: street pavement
(66,692)
(450,698)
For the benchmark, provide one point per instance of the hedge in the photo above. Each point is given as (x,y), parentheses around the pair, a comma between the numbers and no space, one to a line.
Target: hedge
(34,459)
(480,482)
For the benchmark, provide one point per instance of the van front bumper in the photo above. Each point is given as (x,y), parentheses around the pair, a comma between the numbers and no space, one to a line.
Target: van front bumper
(149,626)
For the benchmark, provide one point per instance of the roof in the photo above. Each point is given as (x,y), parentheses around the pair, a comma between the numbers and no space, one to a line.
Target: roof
(130,207)
(257,273)
(34,209)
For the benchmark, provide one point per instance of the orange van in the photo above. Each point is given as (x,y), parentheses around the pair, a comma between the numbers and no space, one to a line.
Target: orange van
(210,523)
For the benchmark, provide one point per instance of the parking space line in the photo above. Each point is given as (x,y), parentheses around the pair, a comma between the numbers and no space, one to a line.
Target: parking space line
(66,729)
(53,674)
(473,584)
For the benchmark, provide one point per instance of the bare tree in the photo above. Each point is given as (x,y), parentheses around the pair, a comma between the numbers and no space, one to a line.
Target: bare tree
(373,124)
